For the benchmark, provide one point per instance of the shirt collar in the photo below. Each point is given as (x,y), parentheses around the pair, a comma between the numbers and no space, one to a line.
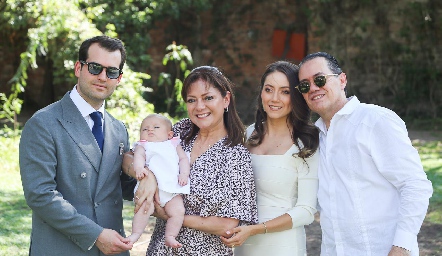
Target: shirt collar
(84,107)
(349,107)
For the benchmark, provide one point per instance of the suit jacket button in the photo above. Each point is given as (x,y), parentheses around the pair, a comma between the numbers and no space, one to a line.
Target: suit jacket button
(83,175)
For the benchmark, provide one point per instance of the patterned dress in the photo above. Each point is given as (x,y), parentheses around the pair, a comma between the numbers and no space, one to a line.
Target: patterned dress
(221,184)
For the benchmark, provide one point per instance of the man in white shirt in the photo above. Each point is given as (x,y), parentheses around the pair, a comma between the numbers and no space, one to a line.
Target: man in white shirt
(373,192)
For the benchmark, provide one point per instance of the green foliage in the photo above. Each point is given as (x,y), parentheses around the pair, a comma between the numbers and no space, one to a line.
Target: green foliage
(130,20)
(10,107)
(54,29)
(181,109)
(176,9)
(55,32)
(177,59)
(126,103)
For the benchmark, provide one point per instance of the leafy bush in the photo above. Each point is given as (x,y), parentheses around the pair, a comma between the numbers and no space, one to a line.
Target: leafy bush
(55,32)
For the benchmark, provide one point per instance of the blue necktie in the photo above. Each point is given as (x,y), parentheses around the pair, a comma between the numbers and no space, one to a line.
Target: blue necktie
(97,129)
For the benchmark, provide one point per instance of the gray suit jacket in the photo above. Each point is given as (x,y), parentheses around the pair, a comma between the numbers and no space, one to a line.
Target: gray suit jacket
(74,191)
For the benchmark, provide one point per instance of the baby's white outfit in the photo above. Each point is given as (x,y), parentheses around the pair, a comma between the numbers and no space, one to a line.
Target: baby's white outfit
(162,159)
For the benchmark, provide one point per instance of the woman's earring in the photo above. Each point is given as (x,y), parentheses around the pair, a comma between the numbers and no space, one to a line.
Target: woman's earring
(226,109)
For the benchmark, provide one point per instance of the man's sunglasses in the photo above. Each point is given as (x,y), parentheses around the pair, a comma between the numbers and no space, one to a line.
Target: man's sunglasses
(321,80)
(96,69)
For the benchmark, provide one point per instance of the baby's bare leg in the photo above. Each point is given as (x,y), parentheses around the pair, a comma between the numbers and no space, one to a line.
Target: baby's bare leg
(175,210)
(139,222)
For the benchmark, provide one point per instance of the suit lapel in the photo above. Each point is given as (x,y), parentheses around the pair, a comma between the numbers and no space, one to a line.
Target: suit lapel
(77,128)
(111,149)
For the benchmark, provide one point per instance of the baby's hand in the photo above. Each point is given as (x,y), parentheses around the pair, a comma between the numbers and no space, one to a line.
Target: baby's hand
(182,179)
(140,173)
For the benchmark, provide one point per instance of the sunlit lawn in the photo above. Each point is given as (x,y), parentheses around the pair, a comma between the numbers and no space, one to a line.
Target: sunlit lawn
(15,221)
(431,156)
(15,215)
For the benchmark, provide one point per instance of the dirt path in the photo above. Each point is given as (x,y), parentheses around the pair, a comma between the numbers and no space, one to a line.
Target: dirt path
(430,239)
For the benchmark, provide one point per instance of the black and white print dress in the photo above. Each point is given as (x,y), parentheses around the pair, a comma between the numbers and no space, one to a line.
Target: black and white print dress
(222,185)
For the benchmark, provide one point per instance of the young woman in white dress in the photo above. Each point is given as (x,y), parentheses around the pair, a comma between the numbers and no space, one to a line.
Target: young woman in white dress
(283,143)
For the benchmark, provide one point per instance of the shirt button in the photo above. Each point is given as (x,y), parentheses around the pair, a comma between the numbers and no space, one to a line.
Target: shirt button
(83,175)
(96,205)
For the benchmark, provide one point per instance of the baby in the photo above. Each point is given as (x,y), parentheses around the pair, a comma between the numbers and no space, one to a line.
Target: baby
(162,153)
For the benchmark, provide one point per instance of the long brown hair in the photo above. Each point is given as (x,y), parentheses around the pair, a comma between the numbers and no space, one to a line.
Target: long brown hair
(299,118)
(232,122)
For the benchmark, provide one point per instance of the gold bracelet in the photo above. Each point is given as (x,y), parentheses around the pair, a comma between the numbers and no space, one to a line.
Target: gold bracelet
(265,226)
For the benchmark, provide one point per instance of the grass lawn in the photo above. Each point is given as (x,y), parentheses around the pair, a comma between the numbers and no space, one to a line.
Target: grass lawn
(15,221)
(431,156)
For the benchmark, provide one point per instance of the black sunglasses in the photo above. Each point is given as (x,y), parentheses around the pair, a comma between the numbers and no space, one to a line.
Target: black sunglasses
(321,80)
(96,69)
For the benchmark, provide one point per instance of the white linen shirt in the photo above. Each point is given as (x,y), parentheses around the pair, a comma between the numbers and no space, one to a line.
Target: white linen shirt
(373,192)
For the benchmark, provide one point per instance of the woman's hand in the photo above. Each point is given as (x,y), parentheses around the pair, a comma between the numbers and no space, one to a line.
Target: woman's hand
(145,192)
(237,236)
(159,211)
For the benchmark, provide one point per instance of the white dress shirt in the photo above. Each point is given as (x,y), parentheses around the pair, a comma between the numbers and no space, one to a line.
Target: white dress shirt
(373,191)
(85,108)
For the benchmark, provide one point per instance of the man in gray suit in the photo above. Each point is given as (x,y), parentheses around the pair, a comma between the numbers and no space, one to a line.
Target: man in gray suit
(72,177)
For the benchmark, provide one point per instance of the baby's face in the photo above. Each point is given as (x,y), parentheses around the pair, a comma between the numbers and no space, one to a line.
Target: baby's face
(154,129)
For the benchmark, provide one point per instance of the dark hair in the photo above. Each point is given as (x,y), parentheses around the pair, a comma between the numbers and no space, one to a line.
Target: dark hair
(299,118)
(213,77)
(105,42)
(332,63)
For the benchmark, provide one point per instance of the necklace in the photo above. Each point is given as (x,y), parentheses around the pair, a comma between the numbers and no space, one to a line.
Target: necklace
(206,144)
(202,145)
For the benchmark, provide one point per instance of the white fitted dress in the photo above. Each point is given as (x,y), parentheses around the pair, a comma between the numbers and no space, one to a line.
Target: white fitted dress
(284,184)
